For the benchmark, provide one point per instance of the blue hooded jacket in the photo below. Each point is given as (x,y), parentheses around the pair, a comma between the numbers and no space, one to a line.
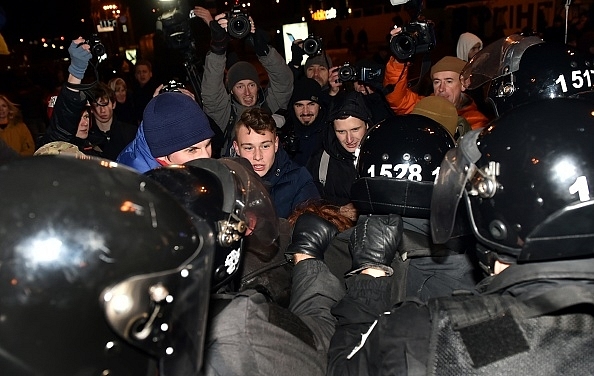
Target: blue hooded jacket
(137,154)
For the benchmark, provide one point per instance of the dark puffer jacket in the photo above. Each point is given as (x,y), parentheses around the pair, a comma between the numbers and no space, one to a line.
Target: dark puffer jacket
(288,184)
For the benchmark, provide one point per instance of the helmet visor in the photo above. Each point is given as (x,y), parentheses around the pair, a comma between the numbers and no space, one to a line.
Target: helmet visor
(456,168)
(256,208)
(495,60)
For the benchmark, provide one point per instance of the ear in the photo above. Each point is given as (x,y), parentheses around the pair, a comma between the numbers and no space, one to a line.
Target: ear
(236,147)
(276,144)
(164,160)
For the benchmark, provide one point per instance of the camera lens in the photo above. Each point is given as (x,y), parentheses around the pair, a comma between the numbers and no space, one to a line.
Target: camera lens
(347,73)
(98,50)
(239,27)
(311,46)
(403,46)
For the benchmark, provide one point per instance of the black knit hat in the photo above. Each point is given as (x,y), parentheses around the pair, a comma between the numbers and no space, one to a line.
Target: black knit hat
(306,89)
(351,103)
(242,70)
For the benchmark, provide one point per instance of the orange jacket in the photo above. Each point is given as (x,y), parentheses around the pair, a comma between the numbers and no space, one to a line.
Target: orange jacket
(402,99)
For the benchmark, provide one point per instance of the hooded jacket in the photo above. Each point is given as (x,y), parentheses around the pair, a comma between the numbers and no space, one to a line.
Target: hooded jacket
(341,171)
(137,154)
(288,184)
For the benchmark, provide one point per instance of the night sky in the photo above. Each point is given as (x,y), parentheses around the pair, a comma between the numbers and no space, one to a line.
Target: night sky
(50,19)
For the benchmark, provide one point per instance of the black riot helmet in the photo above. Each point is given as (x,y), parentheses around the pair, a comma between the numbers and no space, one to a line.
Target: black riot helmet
(232,196)
(525,179)
(521,69)
(102,272)
(397,164)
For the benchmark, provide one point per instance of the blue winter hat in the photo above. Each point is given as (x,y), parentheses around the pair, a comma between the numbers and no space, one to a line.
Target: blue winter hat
(172,122)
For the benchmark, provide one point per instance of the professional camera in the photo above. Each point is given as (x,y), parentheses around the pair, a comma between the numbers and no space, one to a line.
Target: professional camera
(97,48)
(238,24)
(350,72)
(312,45)
(416,37)
(172,86)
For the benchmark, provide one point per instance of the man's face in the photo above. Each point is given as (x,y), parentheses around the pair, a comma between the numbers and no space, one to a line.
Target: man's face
(448,85)
(349,132)
(83,126)
(143,74)
(319,73)
(246,92)
(473,51)
(203,149)
(306,111)
(259,149)
(103,110)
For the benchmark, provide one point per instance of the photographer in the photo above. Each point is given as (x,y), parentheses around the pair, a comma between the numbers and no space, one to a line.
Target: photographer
(445,75)
(224,101)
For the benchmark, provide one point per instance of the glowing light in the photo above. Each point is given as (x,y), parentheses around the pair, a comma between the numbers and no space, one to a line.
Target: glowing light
(45,250)
(169,351)
(564,170)
(164,327)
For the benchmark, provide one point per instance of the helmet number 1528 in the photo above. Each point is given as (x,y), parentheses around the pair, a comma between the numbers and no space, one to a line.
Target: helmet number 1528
(578,79)
(400,171)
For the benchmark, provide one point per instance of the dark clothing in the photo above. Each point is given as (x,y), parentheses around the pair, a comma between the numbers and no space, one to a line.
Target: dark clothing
(252,336)
(64,125)
(378,106)
(7,153)
(341,173)
(309,137)
(141,96)
(529,319)
(288,184)
(113,141)
(125,112)
(422,270)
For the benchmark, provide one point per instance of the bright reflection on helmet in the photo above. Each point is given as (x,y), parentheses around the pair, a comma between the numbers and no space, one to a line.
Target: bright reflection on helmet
(44,251)
(564,170)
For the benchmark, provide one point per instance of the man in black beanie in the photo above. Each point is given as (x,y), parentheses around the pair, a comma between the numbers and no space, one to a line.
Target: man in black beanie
(301,136)
(224,103)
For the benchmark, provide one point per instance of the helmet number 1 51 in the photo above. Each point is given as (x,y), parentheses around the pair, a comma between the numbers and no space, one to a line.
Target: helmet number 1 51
(578,79)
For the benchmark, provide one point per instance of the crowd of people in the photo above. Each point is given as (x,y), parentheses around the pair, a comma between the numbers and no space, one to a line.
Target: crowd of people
(308,223)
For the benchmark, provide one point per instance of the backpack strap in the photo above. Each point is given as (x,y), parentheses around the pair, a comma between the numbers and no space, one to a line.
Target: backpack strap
(323,170)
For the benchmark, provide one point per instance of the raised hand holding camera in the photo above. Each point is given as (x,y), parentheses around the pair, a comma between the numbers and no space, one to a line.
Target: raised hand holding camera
(219,39)
(80,55)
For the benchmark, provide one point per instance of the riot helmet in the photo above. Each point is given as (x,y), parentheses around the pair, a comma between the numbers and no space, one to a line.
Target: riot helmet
(521,69)
(525,181)
(397,164)
(230,195)
(102,272)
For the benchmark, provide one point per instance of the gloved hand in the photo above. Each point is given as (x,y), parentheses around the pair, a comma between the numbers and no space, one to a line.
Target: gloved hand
(219,38)
(79,60)
(296,54)
(258,40)
(312,234)
(374,243)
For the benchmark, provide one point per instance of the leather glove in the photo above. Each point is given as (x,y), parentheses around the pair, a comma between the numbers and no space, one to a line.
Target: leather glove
(258,40)
(296,55)
(312,235)
(374,243)
(79,60)
(219,38)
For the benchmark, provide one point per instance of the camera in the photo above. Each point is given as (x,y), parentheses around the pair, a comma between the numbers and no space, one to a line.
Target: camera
(350,72)
(238,24)
(172,86)
(97,48)
(416,37)
(312,45)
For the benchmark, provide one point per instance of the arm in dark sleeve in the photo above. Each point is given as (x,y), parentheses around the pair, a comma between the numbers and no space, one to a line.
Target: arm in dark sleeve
(395,342)
(66,116)
(314,292)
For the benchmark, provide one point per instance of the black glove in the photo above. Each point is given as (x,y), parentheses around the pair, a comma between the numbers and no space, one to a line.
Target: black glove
(258,41)
(312,234)
(374,243)
(219,38)
(296,55)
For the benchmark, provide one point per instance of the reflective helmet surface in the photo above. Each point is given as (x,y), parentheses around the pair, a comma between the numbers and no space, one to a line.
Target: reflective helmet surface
(232,197)
(523,69)
(526,180)
(397,164)
(102,272)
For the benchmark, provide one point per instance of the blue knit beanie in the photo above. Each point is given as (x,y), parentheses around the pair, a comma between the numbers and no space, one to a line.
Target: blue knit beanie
(172,122)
